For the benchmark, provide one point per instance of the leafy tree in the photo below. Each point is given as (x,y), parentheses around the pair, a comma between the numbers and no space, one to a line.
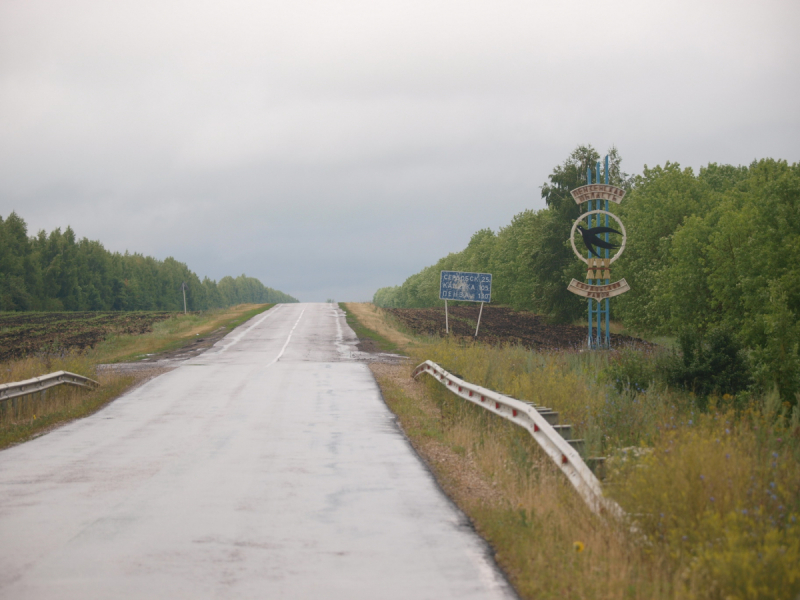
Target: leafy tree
(717,251)
(720,249)
(531,259)
(19,277)
(58,272)
(662,199)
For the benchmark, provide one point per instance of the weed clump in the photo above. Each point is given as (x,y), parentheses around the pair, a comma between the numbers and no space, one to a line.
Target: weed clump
(720,497)
(708,468)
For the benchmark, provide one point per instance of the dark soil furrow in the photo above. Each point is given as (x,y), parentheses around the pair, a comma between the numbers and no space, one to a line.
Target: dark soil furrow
(23,334)
(501,325)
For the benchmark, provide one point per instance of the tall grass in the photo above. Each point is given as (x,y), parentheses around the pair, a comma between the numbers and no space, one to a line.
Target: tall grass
(26,416)
(713,486)
(545,538)
(720,496)
(34,366)
(606,415)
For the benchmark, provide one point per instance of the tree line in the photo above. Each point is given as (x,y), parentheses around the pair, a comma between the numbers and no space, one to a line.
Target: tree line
(708,251)
(56,271)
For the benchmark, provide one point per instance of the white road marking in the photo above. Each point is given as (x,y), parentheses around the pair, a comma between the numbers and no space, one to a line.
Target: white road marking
(288,339)
(238,337)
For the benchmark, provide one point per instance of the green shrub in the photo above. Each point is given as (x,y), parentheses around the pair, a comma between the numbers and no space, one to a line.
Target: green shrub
(714,364)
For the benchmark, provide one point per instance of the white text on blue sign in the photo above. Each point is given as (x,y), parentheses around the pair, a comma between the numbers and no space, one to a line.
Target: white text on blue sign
(467,287)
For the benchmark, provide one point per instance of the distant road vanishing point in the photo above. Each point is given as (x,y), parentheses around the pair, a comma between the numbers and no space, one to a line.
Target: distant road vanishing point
(268,467)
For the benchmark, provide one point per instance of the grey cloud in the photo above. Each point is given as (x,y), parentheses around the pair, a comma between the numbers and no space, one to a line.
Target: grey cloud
(331,148)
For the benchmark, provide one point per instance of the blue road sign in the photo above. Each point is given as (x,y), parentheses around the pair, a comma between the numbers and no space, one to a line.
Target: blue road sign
(468,287)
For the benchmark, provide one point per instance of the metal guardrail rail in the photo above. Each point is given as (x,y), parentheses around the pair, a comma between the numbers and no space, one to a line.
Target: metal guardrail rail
(534,418)
(45,382)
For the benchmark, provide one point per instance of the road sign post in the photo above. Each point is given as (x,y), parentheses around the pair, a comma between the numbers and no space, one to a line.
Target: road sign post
(465,287)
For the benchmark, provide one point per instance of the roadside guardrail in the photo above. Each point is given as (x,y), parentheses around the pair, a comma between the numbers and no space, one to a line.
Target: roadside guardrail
(537,420)
(45,382)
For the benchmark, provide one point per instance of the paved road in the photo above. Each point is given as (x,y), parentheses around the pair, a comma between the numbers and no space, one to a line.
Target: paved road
(268,467)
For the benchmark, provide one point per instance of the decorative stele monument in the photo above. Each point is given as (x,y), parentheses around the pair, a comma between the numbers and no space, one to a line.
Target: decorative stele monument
(595,236)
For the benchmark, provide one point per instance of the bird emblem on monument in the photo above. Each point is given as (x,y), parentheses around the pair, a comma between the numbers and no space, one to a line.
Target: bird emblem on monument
(593,227)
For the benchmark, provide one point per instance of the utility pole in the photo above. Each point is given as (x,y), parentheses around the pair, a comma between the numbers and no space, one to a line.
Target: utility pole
(183,287)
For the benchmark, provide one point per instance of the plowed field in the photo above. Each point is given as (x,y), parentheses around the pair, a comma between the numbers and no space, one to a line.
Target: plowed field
(501,325)
(22,334)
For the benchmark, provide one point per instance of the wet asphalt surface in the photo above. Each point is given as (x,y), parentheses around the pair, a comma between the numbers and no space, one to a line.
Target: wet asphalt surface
(266,467)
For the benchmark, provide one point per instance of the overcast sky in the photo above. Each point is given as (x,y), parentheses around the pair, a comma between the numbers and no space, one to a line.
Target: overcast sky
(330,148)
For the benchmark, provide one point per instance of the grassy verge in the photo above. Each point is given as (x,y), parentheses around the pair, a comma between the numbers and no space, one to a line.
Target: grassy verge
(27,417)
(365,321)
(174,333)
(716,492)
(517,499)
(32,416)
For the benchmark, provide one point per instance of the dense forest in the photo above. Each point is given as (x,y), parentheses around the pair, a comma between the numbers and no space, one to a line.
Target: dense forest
(58,272)
(713,251)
